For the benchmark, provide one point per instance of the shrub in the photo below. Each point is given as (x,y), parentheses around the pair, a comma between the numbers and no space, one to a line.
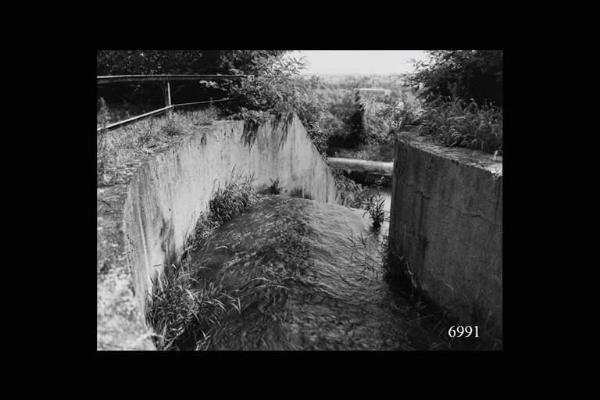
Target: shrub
(458,123)
(279,89)
(467,74)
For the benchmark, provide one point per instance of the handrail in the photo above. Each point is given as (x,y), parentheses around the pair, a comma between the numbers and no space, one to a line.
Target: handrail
(166,78)
(160,110)
(104,79)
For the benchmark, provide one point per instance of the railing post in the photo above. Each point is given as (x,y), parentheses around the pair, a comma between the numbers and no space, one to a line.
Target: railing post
(167,87)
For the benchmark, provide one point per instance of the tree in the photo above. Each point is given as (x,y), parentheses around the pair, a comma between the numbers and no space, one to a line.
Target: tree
(278,88)
(358,132)
(144,62)
(466,74)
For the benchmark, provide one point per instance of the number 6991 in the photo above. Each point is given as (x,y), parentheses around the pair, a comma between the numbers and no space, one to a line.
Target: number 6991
(463,331)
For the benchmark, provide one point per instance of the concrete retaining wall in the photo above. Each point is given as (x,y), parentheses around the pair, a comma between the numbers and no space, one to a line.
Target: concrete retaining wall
(446,220)
(170,191)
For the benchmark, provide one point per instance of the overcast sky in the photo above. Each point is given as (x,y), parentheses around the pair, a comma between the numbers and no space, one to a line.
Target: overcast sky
(359,61)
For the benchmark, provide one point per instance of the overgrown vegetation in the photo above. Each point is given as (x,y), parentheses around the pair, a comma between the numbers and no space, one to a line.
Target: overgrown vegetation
(278,89)
(334,114)
(184,308)
(147,96)
(117,149)
(462,95)
(453,122)
(355,195)
(231,200)
(457,123)
(362,124)
(466,74)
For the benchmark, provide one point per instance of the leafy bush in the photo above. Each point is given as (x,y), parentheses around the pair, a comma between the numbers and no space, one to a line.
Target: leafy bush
(146,96)
(463,124)
(278,89)
(401,114)
(467,74)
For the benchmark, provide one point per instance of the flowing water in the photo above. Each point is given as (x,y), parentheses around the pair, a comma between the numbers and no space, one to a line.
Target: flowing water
(308,276)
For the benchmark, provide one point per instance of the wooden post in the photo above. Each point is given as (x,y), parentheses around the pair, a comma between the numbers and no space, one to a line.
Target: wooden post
(167,87)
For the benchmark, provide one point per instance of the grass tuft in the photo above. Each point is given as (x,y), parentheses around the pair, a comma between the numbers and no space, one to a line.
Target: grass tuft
(184,309)
(231,200)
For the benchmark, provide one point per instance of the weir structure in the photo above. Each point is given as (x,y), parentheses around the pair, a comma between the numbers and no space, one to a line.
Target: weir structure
(445,217)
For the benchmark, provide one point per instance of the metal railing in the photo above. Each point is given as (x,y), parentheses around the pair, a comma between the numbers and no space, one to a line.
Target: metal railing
(166,78)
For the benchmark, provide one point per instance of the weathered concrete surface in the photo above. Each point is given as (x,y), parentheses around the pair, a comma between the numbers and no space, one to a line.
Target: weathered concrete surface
(446,220)
(351,164)
(170,191)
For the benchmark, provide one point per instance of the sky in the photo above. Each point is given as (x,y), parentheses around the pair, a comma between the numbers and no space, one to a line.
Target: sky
(359,61)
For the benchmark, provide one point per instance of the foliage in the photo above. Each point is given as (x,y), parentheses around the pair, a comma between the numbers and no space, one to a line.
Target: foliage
(120,149)
(359,119)
(149,95)
(357,132)
(278,89)
(185,308)
(231,200)
(464,124)
(144,62)
(182,310)
(375,207)
(402,114)
(353,194)
(467,74)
